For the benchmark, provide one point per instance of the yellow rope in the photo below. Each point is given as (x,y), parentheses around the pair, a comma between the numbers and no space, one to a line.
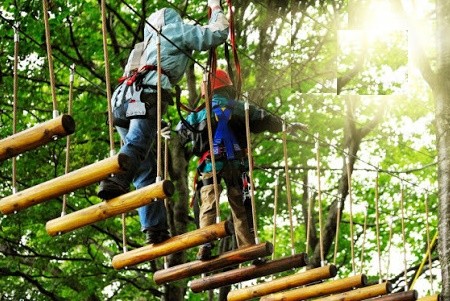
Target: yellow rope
(352,245)
(322,257)
(427,254)
(275,209)
(428,241)
(377,225)
(364,240)
(402,208)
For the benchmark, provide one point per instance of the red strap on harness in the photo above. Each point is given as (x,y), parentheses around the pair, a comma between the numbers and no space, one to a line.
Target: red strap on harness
(140,73)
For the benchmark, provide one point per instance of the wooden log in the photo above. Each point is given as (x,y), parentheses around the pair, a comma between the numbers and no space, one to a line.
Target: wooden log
(361,293)
(173,245)
(249,272)
(283,283)
(224,260)
(400,296)
(64,184)
(36,136)
(109,208)
(317,290)
(436,297)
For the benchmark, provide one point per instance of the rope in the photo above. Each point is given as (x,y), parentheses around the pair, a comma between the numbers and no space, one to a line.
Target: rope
(428,241)
(377,228)
(158,107)
(338,223)
(275,209)
(352,244)
(107,79)
(211,146)
(16,90)
(50,58)
(404,235)
(364,240)
(69,111)
(319,195)
(288,187)
(308,223)
(427,255)
(250,169)
(389,247)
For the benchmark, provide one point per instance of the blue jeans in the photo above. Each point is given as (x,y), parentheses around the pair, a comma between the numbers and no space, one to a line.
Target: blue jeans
(139,145)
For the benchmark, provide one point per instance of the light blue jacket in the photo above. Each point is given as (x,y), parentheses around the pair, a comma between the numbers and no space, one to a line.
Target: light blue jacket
(186,37)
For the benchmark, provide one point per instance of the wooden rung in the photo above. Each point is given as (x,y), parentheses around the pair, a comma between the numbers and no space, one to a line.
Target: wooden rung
(317,290)
(361,293)
(173,245)
(284,283)
(249,272)
(36,136)
(64,184)
(401,296)
(112,207)
(436,297)
(203,266)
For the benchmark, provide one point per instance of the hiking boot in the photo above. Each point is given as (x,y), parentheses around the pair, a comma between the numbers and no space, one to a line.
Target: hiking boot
(156,237)
(204,253)
(110,189)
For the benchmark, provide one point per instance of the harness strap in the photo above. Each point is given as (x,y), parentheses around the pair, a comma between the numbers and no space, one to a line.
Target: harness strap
(137,76)
(223,134)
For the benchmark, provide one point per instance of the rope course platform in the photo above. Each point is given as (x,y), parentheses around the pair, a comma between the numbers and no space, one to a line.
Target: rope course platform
(203,266)
(36,136)
(248,273)
(72,181)
(173,245)
(109,208)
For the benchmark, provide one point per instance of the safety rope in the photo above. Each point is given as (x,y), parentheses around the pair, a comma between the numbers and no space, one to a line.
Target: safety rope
(50,58)
(350,198)
(211,145)
(319,199)
(275,209)
(15,96)
(288,187)
(69,111)
(158,106)
(250,169)
(377,226)
(402,208)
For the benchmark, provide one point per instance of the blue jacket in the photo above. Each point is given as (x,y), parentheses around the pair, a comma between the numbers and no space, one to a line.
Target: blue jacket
(187,37)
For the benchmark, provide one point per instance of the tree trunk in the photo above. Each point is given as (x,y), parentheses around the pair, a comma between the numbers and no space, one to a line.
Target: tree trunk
(442,97)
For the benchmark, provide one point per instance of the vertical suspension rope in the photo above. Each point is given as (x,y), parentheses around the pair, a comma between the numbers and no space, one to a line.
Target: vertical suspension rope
(338,223)
(364,240)
(107,79)
(349,180)
(308,222)
(377,226)
(402,208)
(275,209)
(288,187)
(211,145)
(15,96)
(428,254)
(250,169)
(319,196)
(388,267)
(50,58)
(430,265)
(158,107)
(69,111)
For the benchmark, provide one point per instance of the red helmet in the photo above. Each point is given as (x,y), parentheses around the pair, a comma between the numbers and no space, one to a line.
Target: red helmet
(219,80)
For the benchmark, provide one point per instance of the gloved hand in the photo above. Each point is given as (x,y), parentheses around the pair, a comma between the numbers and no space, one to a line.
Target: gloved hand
(213,3)
(165,132)
(294,127)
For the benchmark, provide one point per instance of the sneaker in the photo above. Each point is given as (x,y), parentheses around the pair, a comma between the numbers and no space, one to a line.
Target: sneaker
(259,261)
(156,237)
(204,253)
(110,189)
